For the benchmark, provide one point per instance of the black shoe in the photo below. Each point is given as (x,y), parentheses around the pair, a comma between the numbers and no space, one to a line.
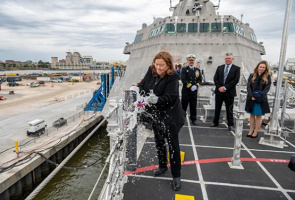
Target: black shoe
(231,128)
(176,185)
(255,135)
(160,171)
(250,135)
(264,123)
(194,122)
(213,125)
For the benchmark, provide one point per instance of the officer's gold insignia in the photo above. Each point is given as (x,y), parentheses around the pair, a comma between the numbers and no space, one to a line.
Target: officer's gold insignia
(197,74)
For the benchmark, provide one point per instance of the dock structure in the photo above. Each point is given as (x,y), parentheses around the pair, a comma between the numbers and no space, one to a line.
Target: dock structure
(23,169)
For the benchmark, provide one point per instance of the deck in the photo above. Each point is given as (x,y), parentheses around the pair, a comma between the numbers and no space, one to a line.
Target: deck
(206,173)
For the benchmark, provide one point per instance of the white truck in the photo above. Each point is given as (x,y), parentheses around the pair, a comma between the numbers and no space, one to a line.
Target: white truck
(36,127)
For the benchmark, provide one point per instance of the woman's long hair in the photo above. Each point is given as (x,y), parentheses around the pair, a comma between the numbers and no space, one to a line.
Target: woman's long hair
(265,73)
(168,60)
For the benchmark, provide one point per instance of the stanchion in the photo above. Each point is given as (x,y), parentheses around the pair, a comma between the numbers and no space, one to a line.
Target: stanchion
(239,116)
(130,98)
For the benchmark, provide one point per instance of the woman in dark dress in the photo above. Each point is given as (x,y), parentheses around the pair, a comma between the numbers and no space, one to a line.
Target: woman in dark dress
(165,108)
(257,103)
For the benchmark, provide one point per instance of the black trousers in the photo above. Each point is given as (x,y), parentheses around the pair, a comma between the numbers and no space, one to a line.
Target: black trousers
(229,104)
(190,99)
(161,132)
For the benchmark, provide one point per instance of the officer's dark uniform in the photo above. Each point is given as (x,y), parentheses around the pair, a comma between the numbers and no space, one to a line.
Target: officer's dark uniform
(189,77)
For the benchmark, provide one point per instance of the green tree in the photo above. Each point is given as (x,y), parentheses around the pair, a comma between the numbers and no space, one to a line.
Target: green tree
(40,64)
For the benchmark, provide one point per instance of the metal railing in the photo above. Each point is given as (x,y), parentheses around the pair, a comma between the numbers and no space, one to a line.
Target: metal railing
(122,129)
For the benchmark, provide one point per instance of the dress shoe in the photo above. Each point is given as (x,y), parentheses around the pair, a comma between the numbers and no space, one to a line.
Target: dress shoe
(213,125)
(176,184)
(231,128)
(255,135)
(194,122)
(250,135)
(160,171)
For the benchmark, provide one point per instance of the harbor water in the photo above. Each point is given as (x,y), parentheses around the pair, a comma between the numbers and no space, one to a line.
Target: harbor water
(78,184)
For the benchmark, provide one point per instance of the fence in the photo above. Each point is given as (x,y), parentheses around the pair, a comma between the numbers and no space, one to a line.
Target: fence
(72,95)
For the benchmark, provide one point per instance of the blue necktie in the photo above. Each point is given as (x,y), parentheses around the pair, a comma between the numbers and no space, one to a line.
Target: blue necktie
(225,73)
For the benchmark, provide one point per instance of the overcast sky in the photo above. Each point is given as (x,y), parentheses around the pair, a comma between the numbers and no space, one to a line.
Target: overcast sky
(39,29)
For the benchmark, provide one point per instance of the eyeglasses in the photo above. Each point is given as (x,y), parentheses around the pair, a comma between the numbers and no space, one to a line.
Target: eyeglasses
(160,65)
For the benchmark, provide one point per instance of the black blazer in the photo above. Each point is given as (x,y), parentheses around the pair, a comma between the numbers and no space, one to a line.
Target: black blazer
(232,80)
(251,86)
(168,109)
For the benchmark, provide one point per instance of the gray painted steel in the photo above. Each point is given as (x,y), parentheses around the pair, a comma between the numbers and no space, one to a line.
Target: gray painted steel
(247,52)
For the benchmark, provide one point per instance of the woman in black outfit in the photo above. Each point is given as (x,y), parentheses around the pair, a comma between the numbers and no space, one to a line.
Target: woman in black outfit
(165,108)
(257,103)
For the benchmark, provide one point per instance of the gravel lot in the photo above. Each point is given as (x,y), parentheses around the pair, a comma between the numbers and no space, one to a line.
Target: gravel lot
(26,98)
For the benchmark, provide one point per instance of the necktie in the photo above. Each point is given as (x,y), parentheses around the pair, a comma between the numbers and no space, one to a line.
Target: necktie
(225,73)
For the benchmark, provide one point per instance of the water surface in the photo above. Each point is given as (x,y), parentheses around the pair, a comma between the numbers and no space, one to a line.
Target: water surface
(78,184)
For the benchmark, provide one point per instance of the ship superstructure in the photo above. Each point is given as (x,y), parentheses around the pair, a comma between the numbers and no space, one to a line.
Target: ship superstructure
(194,27)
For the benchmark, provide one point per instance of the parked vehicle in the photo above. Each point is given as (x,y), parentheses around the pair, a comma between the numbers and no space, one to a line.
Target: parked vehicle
(35,84)
(12,84)
(14,78)
(56,81)
(29,83)
(42,78)
(60,122)
(41,82)
(36,127)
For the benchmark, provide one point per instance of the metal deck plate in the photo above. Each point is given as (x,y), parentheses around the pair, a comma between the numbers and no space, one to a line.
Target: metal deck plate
(213,178)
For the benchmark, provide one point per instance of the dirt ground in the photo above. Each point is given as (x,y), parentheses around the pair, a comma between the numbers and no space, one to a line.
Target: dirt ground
(26,98)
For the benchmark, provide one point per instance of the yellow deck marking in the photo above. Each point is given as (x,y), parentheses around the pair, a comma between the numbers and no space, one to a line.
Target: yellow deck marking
(184,197)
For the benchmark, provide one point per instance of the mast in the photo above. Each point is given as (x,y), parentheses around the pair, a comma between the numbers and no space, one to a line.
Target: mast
(272,138)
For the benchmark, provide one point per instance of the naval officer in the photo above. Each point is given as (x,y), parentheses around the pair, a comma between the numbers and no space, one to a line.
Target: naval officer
(191,79)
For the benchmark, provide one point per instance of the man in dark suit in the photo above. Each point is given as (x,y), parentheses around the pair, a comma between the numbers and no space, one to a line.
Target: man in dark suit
(226,78)
(191,79)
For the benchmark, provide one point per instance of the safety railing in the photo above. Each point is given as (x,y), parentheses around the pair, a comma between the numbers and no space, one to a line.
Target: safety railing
(122,129)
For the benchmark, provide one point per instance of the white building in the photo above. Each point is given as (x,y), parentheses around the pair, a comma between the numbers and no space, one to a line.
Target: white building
(72,61)
(290,64)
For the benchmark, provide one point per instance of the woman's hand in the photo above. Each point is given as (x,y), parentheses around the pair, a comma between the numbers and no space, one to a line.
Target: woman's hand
(153,99)
(253,98)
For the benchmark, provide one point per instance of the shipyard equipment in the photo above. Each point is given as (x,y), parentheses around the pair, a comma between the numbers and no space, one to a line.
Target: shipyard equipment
(36,127)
